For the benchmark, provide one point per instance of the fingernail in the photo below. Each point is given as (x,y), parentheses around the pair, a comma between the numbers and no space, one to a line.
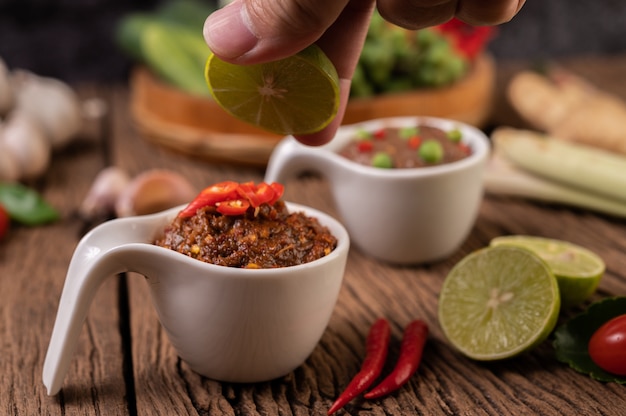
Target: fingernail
(227,31)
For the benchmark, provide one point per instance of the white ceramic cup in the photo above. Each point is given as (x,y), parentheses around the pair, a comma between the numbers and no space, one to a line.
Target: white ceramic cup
(228,324)
(404,216)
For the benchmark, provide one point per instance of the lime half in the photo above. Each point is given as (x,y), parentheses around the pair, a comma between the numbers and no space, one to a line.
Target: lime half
(577,269)
(498,302)
(295,95)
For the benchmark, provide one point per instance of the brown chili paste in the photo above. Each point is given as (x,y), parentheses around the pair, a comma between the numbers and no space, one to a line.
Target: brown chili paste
(267,237)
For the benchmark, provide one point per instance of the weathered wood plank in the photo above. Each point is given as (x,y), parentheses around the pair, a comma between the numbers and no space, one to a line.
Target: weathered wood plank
(33,263)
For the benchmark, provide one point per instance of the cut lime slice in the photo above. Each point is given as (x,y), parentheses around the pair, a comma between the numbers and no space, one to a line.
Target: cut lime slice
(498,302)
(295,95)
(577,269)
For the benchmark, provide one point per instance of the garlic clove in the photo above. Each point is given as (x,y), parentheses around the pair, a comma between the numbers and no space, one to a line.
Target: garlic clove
(23,137)
(50,101)
(104,192)
(7,96)
(153,191)
(9,167)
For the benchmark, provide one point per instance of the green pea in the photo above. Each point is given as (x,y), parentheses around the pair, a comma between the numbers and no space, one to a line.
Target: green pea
(408,132)
(382,160)
(431,151)
(362,134)
(454,135)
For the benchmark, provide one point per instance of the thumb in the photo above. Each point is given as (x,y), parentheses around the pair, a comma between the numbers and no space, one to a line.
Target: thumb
(253,31)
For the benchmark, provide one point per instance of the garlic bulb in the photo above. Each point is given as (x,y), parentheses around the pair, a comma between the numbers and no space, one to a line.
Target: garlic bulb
(28,144)
(53,103)
(6,89)
(104,192)
(9,168)
(153,191)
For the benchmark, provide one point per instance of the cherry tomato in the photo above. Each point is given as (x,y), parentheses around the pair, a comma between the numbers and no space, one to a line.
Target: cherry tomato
(4,221)
(233,207)
(210,196)
(607,346)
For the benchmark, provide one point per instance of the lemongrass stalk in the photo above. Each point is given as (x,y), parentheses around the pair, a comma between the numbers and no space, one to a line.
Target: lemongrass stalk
(590,169)
(503,178)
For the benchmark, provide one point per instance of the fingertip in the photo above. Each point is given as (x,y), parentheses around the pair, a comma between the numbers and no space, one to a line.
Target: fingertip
(228,33)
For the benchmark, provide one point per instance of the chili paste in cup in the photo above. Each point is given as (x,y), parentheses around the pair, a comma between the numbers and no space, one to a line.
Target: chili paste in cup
(406,147)
(246,226)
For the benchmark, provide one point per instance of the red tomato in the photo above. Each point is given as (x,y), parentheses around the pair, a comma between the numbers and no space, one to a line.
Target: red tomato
(607,346)
(4,221)
(233,207)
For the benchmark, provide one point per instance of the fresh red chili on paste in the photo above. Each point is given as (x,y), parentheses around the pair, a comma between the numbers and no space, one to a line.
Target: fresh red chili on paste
(232,198)
(246,225)
(377,344)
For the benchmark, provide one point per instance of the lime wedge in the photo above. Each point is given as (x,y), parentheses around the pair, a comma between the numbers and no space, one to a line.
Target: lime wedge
(498,302)
(577,269)
(295,95)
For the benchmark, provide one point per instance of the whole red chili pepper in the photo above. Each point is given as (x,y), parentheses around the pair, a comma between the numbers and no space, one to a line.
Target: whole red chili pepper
(376,347)
(411,349)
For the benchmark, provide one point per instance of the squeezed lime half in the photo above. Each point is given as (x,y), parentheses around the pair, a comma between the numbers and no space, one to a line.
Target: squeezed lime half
(295,95)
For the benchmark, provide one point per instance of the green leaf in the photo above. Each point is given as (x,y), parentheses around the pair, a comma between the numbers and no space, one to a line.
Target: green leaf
(572,338)
(25,205)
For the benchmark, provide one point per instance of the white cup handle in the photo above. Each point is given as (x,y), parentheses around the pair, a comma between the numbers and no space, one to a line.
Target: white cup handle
(105,251)
(290,158)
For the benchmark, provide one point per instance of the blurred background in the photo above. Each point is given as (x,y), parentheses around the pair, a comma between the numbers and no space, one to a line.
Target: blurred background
(73,39)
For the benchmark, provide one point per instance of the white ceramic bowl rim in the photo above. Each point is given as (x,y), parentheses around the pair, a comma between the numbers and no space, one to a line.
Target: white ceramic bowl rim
(334,226)
(472,136)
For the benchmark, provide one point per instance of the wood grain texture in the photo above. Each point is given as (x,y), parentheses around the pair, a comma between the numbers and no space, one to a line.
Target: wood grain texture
(125,365)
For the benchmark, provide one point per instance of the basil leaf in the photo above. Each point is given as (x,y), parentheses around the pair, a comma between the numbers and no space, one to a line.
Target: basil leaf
(572,338)
(25,205)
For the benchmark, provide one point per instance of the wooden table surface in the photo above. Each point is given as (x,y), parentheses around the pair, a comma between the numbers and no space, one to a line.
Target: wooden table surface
(125,365)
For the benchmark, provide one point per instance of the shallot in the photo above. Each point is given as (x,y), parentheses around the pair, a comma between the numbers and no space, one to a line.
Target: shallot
(153,191)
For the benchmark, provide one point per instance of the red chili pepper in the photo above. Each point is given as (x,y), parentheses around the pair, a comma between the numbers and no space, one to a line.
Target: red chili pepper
(365,146)
(377,344)
(414,142)
(232,196)
(209,196)
(380,134)
(469,40)
(278,189)
(411,349)
(465,148)
(233,207)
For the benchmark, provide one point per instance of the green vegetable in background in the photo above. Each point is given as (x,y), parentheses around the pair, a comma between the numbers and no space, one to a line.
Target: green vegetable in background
(394,60)
(25,205)
(169,41)
(179,65)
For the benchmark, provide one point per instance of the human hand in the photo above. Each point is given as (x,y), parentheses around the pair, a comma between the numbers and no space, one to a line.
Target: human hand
(255,31)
